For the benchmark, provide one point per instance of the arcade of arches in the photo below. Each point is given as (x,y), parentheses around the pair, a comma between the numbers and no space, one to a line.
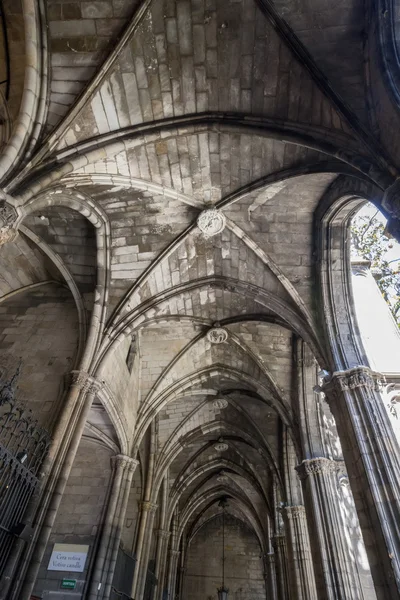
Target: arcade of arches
(177,179)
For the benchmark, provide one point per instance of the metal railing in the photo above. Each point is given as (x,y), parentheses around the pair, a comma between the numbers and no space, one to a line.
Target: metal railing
(23,447)
(123,576)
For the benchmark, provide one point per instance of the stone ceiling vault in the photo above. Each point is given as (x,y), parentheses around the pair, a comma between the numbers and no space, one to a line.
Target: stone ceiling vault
(155,111)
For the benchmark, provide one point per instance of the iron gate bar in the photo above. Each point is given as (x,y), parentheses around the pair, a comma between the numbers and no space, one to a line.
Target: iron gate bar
(23,447)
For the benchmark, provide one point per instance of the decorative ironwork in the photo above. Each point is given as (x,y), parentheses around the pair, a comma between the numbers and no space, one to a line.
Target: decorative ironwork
(23,447)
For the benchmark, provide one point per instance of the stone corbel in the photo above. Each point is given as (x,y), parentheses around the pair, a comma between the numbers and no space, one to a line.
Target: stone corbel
(148,506)
(315,466)
(294,512)
(357,377)
(10,218)
(122,459)
(85,382)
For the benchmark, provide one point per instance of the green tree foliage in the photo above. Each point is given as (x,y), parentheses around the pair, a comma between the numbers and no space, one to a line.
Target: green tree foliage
(370,242)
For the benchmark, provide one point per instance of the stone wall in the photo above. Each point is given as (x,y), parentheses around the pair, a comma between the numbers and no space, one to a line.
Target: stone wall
(40,328)
(129,531)
(21,264)
(122,383)
(79,517)
(243,564)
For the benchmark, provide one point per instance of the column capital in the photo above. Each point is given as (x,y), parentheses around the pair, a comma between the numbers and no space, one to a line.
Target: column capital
(316,466)
(357,377)
(163,533)
(147,506)
(294,512)
(85,382)
(175,552)
(123,460)
(270,558)
(278,541)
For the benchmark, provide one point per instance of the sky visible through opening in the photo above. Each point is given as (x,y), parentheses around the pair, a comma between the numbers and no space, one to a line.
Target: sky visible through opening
(379,332)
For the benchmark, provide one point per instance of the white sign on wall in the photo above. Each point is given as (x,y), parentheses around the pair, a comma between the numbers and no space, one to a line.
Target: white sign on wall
(68,557)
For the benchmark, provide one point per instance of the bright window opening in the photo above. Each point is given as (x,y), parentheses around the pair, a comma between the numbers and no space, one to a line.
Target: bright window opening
(376,288)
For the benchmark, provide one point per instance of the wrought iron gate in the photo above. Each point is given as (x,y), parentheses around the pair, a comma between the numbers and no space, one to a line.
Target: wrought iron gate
(23,447)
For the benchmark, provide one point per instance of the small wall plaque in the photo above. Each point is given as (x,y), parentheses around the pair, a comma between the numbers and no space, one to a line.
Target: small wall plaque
(68,557)
(68,584)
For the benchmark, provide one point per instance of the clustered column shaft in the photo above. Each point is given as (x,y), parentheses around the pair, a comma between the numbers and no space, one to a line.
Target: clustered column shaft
(270,577)
(161,560)
(279,544)
(144,538)
(103,572)
(172,572)
(372,455)
(150,510)
(299,553)
(65,446)
(335,569)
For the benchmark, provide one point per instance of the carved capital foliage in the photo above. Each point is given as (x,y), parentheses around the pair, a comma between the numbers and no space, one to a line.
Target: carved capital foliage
(132,464)
(85,382)
(8,222)
(316,466)
(294,512)
(121,460)
(359,377)
(149,506)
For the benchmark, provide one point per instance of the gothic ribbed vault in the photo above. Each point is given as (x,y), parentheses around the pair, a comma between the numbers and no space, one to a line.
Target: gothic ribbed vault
(172,364)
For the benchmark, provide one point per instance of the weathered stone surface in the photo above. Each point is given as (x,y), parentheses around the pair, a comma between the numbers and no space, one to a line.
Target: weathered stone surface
(159,115)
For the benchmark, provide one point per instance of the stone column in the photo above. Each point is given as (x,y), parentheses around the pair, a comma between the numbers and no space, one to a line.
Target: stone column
(282,575)
(119,524)
(161,558)
(299,553)
(372,460)
(146,508)
(104,567)
(181,573)
(270,577)
(172,573)
(83,391)
(151,510)
(334,567)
